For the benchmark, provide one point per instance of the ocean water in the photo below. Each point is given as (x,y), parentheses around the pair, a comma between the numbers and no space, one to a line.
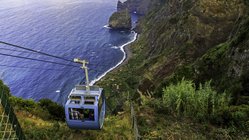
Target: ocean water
(65,28)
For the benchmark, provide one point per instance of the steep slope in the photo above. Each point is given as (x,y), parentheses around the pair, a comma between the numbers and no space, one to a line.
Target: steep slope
(227,64)
(183,31)
(45,120)
(199,40)
(174,40)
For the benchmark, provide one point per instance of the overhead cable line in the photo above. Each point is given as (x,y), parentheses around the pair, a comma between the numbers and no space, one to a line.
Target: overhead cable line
(39,52)
(14,50)
(35,68)
(37,60)
(21,51)
(42,53)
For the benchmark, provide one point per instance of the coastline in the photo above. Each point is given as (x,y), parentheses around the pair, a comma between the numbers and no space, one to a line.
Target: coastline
(127,54)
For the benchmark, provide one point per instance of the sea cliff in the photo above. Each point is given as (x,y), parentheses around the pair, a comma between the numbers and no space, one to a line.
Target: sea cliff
(141,7)
(188,46)
(120,20)
(188,77)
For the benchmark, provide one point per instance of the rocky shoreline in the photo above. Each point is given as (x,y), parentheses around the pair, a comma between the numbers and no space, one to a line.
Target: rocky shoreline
(127,55)
(128,52)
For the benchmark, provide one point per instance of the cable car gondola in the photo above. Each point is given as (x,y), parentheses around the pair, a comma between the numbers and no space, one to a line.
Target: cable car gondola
(85,106)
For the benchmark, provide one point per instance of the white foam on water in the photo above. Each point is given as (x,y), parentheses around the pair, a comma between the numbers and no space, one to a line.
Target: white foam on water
(115,47)
(107,26)
(120,62)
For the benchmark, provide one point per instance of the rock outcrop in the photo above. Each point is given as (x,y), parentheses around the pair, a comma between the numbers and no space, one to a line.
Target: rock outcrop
(120,20)
(141,7)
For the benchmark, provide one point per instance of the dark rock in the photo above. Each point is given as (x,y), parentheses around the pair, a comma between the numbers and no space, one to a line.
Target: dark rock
(140,7)
(120,20)
(121,6)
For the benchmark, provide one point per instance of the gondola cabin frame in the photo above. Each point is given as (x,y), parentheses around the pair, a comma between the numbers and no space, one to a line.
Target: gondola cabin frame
(85,108)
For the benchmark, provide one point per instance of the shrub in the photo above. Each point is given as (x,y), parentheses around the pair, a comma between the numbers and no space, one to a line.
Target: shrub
(55,110)
(185,100)
(4,89)
(27,105)
(240,116)
(45,108)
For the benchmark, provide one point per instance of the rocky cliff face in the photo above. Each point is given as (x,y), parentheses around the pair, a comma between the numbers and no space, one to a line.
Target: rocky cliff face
(228,64)
(178,38)
(141,7)
(199,40)
(120,20)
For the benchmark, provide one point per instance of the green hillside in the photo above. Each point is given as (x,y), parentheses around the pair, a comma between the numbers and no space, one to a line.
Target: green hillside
(188,79)
(45,120)
(203,42)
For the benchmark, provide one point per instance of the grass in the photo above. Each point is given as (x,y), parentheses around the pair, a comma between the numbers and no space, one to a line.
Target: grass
(188,112)
(39,121)
(183,110)
(35,128)
(184,100)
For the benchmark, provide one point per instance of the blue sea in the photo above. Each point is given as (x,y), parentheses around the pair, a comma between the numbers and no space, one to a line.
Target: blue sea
(66,28)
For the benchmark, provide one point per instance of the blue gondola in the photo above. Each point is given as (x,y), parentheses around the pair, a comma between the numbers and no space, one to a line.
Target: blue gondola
(85,106)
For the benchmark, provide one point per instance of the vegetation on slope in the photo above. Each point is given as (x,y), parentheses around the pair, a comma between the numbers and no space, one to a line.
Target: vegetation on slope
(45,120)
(181,32)
(185,111)
(39,123)
(36,128)
(199,41)
(204,114)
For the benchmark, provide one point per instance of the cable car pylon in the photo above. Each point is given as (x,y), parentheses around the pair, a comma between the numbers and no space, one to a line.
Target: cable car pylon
(85,68)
